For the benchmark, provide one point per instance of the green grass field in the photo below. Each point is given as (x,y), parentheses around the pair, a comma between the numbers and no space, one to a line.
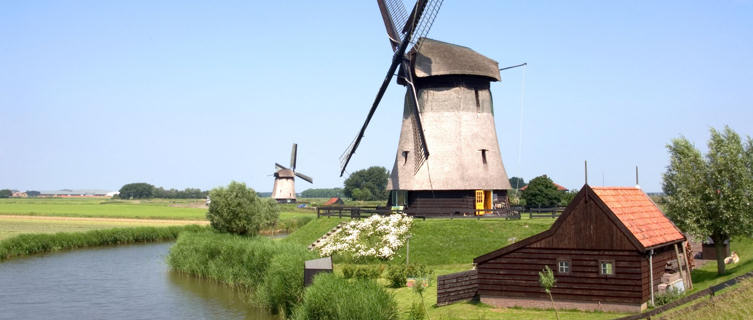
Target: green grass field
(105,208)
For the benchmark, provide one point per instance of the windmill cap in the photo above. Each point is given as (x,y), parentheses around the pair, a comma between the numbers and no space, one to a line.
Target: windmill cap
(437,58)
(284,173)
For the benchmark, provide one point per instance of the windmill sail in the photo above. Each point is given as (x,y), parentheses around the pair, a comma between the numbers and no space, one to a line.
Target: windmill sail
(293,156)
(394,15)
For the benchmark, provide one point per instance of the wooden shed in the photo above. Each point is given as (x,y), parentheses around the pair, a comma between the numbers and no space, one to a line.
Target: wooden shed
(608,250)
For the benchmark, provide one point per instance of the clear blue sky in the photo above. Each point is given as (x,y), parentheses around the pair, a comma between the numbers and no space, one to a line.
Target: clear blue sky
(96,94)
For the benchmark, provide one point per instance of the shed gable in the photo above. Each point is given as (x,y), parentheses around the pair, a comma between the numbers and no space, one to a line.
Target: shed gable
(587,226)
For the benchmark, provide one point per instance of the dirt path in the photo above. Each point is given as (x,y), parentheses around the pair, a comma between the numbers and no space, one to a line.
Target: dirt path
(85,219)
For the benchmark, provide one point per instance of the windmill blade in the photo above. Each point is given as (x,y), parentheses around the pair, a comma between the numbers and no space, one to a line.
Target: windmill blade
(394,15)
(420,149)
(279,166)
(397,58)
(304,177)
(293,155)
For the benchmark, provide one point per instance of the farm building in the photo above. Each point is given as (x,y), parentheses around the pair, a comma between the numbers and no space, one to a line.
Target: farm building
(334,201)
(611,249)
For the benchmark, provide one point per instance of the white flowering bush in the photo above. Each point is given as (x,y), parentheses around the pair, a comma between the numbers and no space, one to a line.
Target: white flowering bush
(377,236)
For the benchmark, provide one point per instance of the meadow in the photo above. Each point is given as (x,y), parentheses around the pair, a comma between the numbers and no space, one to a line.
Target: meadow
(106,208)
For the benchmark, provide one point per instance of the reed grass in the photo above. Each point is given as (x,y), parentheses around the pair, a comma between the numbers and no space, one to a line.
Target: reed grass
(28,244)
(273,270)
(332,297)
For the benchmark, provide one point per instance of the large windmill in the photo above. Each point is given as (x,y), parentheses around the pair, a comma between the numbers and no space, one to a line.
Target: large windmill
(284,189)
(448,156)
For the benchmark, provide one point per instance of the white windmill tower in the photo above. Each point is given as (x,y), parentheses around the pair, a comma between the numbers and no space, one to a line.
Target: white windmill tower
(284,188)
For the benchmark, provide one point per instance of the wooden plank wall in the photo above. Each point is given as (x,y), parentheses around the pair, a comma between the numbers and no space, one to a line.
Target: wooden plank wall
(429,203)
(661,257)
(516,275)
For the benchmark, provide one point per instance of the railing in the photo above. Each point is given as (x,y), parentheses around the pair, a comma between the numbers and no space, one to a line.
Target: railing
(352,212)
(553,212)
(423,213)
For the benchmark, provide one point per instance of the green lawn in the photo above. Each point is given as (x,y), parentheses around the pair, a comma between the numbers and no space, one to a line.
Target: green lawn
(706,276)
(142,209)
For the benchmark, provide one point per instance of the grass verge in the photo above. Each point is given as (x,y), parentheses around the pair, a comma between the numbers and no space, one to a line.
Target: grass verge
(28,244)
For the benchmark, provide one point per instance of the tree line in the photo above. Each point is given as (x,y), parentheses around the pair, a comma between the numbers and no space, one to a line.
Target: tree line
(142,190)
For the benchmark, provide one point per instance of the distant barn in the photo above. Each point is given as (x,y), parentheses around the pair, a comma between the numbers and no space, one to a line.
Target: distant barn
(334,201)
(608,249)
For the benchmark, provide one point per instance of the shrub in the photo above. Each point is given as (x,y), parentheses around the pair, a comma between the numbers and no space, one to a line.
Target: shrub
(237,209)
(362,271)
(282,288)
(332,297)
(375,237)
(398,274)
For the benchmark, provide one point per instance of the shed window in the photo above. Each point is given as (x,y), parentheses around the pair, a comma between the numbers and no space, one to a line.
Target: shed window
(563,266)
(606,268)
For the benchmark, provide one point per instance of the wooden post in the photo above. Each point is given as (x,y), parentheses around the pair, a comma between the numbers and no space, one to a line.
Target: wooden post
(679,265)
(687,265)
(651,275)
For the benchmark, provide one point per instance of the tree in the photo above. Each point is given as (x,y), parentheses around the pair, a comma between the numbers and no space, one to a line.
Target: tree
(237,209)
(542,193)
(711,197)
(367,184)
(6,193)
(322,193)
(568,196)
(547,281)
(517,182)
(139,190)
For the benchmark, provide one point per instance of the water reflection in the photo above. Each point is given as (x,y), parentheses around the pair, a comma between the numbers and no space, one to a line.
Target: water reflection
(127,282)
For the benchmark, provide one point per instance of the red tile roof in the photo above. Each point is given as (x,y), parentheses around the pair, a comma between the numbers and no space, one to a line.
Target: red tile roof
(639,214)
(332,201)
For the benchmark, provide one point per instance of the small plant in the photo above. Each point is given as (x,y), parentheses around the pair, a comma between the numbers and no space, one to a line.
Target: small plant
(418,288)
(547,281)
(416,311)
(668,296)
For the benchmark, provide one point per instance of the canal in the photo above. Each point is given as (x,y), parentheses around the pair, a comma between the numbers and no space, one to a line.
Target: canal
(125,282)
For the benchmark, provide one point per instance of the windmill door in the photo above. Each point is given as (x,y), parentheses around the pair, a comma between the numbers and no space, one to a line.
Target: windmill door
(483,201)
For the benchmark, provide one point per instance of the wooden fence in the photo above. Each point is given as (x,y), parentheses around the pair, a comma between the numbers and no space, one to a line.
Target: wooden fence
(553,213)
(452,213)
(710,292)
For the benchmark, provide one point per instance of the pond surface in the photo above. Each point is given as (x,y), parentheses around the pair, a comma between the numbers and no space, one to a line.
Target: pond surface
(126,282)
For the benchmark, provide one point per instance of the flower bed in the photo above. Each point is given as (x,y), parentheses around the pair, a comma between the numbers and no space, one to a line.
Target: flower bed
(377,236)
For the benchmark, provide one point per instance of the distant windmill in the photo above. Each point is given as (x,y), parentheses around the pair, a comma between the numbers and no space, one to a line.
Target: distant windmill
(284,189)
(448,155)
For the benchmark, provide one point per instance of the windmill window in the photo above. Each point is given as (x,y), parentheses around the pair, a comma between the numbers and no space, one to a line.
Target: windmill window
(478,103)
(405,157)
(563,266)
(606,268)
(483,155)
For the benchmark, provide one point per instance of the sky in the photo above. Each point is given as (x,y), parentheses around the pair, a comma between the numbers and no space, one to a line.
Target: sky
(97,94)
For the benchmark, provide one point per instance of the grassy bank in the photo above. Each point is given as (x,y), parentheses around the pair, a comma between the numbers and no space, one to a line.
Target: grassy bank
(270,269)
(733,303)
(27,244)
(13,226)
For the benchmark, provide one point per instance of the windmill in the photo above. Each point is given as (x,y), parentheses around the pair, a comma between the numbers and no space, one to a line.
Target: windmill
(284,189)
(448,155)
